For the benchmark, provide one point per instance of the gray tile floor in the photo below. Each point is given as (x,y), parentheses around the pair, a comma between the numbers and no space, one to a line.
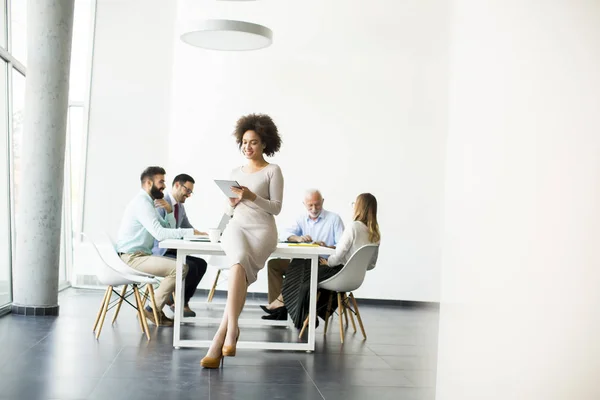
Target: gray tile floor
(59,358)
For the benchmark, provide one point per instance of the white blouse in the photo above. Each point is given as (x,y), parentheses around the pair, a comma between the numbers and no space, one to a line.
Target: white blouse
(354,237)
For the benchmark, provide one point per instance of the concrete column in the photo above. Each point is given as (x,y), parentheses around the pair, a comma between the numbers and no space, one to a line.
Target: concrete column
(520,313)
(49,33)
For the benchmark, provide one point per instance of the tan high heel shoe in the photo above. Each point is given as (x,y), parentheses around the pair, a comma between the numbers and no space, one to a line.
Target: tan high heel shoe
(212,363)
(229,351)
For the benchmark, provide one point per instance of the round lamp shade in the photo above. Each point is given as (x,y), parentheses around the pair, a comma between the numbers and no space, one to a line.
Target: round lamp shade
(227,35)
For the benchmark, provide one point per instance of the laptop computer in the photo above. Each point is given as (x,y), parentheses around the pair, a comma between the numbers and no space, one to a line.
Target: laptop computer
(204,238)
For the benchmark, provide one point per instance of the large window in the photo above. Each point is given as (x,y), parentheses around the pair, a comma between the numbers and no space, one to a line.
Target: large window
(5,214)
(11,116)
(13,64)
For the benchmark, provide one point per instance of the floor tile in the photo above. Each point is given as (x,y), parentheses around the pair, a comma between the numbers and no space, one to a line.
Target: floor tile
(378,393)
(264,374)
(259,391)
(32,387)
(410,362)
(421,378)
(361,377)
(150,388)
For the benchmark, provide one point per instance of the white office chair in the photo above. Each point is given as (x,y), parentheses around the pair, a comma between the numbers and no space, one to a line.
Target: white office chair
(114,275)
(117,263)
(108,249)
(347,280)
(222,264)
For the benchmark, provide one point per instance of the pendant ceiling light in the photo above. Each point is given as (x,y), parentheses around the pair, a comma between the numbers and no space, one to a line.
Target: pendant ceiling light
(227,35)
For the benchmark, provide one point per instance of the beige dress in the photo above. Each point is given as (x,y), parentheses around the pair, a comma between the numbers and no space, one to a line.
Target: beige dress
(251,235)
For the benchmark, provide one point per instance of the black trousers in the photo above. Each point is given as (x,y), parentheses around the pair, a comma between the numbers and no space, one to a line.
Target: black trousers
(197,269)
(296,290)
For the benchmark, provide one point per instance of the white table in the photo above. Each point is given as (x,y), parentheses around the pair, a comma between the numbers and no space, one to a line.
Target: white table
(186,247)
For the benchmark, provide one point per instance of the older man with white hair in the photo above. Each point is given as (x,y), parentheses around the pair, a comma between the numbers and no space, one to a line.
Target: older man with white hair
(317,225)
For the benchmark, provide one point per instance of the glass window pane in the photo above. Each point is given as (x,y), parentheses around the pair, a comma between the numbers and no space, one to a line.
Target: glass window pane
(18,111)
(3,23)
(5,232)
(62,263)
(80,51)
(18,30)
(77,150)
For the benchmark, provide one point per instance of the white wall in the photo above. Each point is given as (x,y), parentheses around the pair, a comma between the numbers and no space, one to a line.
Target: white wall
(130,106)
(130,103)
(519,316)
(358,92)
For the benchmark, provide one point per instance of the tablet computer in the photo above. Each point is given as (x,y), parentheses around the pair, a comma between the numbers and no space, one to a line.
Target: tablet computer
(226,185)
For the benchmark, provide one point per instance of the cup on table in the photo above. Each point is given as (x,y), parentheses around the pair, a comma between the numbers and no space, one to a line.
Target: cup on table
(214,235)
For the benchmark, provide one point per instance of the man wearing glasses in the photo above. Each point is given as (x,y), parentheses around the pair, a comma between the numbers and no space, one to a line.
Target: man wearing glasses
(183,187)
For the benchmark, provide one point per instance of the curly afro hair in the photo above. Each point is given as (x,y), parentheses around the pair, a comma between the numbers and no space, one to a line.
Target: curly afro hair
(264,127)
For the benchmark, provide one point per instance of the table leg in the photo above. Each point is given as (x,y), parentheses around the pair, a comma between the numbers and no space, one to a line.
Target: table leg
(178,298)
(314,268)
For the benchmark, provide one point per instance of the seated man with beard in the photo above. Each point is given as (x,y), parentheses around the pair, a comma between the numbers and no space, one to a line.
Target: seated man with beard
(141,225)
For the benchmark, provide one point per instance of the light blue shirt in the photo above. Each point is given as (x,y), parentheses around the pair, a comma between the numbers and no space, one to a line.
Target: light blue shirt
(328,228)
(142,224)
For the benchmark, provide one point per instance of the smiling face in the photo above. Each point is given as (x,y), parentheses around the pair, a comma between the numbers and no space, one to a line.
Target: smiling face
(155,187)
(314,204)
(181,192)
(252,146)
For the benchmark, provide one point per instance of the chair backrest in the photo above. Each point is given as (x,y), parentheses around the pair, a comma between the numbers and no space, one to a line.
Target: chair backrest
(110,273)
(108,249)
(353,273)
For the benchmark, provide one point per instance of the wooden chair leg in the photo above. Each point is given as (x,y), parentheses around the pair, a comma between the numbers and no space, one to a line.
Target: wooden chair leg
(214,287)
(104,310)
(146,295)
(141,312)
(100,310)
(328,313)
(138,309)
(304,325)
(120,303)
(348,310)
(341,311)
(345,311)
(360,323)
(306,320)
(153,304)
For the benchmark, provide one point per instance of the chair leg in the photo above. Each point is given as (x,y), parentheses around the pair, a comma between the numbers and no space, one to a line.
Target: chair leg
(100,310)
(145,297)
(348,310)
(304,325)
(345,311)
(119,303)
(214,287)
(328,313)
(104,310)
(362,328)
(138,309)
(153,303)
(306,320)
(341,308)
(138,300)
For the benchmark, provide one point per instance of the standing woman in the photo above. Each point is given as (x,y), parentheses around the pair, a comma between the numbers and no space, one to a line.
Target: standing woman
(251,235)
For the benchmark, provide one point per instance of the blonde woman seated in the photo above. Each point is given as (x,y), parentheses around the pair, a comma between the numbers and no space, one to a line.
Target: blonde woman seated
(296,286)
